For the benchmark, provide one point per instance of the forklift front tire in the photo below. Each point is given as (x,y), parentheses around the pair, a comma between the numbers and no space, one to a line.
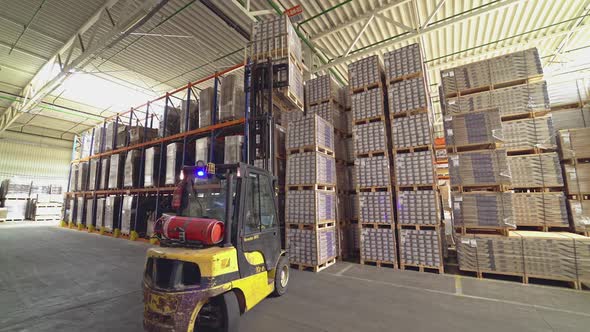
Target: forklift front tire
(282,275)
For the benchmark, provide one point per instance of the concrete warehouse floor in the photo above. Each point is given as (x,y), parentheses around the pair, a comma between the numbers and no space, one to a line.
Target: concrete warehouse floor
(54,279)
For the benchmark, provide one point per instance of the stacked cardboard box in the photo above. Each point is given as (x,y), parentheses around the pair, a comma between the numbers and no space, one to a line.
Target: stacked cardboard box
(232,99)
(498,71)
(310,216)
(540,209)
(481,127)
(535,171)
(483,209)
(276,39)
(575,154)
(526,134)
(372,149)
(479,168)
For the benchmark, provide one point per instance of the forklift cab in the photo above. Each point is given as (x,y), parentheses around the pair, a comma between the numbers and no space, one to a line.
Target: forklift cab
(201,280)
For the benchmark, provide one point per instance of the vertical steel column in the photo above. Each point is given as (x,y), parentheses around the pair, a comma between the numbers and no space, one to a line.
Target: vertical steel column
(127,137)
(247,87)
(186,122)
(93,212)
(157,211)
(214,122)
(115,133)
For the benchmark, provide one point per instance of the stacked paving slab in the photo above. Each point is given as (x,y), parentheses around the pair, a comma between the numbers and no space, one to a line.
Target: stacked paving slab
(506,173)
(325,98)
(373,160)
(574,145)
(418,202)
(310,214)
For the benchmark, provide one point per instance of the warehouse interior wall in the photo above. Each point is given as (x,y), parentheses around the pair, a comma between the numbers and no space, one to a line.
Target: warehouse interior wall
(40,159)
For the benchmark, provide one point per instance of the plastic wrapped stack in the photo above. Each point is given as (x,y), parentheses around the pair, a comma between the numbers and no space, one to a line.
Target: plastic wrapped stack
(233,149)
(152,173)
(535,171)
(232,99)
(574,148)
(206,105)
(116,170)
(189,115)
(115,136)
(140,134)
(418,211)
(529,135)
(132,169)
(310,215)
(372,163)
(276,39)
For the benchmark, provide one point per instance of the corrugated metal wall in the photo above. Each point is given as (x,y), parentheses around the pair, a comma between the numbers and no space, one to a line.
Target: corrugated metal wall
(39,159)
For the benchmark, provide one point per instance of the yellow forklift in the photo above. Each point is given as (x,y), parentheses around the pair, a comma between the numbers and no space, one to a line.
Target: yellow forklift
(222,253)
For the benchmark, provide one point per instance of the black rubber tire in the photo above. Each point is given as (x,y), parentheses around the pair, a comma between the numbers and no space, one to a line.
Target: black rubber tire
(231,312)
(282,265)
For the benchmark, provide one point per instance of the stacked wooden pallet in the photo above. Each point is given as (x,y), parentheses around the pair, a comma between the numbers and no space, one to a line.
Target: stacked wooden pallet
(324,98)
(418,202)
(575,154)
(370,132)
(529,255)
(310,216)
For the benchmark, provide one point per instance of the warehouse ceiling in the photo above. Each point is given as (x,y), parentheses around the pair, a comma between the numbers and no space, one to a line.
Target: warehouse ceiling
(187,40)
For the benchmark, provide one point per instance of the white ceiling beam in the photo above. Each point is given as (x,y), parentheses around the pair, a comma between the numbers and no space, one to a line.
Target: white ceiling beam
(244,9)
(362,18)
(517,45)
(395,23)
(54,72)
(431,16)
(563,44)
(359,34)
(374,49)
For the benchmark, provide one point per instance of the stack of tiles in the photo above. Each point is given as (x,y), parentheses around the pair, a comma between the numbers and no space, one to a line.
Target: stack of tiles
(526,135)
(491,253)
(511,101)
(310,215)
(479,168)
(482,210)
(549,255)
(505,70)
(372,165)
(420,248)
(536,171)
(571,118)
(418,219)
(231,99)
(540,210)
(474,128)
(574,145)
(276,39)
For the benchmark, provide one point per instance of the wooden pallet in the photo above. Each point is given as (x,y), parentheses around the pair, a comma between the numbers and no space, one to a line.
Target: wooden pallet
(369,154)
(334,100)
(419,148)
(312,148)
(314,186)
(480,187)
(419,227)
(536,189)
(391,265)
(423,268)
(579,197)
(408,113)
(374,189)
(42,218)
(495,86)
(405,77)
(313,268)
(322,224)
(534,150)
(543,228)
(487,230)
(367,87)
(473,147)
(416,187)
(380,118)
(376,225)
(525,115)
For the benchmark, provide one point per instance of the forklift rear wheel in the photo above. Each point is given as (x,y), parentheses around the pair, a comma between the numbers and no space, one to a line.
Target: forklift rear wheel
(282,276)
(220,314)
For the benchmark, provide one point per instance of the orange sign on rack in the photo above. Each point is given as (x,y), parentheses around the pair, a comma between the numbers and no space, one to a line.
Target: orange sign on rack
(295,13)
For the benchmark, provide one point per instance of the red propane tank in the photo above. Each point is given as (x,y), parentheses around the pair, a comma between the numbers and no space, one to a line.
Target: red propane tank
(206,231)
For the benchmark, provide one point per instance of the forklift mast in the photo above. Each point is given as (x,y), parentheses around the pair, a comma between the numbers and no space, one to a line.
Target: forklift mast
(260,80)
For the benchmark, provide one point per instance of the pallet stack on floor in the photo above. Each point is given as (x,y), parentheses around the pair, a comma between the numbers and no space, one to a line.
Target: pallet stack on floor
(324,98)
(574,145)
(506,174)
(418,201)
(310,214)
(373,160)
